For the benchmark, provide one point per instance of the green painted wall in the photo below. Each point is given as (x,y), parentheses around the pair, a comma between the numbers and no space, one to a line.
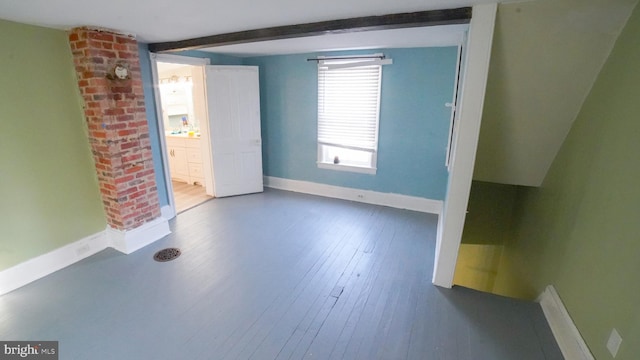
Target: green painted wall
(49,193)
(487,226)
(489,213)
(580,231)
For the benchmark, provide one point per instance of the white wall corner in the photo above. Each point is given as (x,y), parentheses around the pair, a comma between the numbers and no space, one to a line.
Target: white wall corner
(564,330)
(472,93)
(131,240)
(45,264)
(167,212)
(398,201)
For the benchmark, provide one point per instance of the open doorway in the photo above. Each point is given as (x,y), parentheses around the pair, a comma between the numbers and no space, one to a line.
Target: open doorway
(183,120)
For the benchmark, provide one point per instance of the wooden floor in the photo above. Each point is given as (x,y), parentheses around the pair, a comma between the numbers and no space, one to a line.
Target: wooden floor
(276,275)
(187,196)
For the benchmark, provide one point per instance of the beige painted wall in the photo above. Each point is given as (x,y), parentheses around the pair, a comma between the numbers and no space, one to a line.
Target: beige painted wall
(546,55)
(49,193)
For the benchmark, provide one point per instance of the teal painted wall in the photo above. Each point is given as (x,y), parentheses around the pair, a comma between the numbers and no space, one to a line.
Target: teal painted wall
(580,231)
(48,187)
(414,121)
(152,116)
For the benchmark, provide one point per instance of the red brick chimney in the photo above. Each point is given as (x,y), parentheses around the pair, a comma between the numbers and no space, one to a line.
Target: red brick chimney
(118,131)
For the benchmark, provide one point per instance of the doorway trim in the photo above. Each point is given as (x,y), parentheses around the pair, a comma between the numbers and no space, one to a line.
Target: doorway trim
(465,143)
(175,59)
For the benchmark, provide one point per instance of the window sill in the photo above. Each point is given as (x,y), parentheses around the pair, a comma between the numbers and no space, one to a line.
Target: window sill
(356,169)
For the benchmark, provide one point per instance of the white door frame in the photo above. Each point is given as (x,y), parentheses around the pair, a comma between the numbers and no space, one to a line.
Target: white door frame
(176,59)
(474,83)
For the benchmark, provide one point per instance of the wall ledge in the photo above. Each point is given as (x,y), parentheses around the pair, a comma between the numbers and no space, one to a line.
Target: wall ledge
(569,340)
(129,241)
(364,196)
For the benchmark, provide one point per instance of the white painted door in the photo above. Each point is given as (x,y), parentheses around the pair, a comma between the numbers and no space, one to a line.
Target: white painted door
(233,101)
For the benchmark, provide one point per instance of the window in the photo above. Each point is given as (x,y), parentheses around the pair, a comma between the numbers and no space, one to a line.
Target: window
(348,112)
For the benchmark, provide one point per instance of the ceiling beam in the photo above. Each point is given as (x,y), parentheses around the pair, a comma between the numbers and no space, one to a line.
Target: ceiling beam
(367,23)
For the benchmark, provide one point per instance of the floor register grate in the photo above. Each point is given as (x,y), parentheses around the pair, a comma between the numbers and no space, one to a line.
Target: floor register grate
(167,254)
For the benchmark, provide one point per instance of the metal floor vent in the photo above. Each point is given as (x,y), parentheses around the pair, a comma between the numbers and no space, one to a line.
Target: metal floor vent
(167,254)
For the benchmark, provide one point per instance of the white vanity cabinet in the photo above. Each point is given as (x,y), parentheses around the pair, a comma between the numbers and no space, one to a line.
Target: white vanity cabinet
(194,161)
(185,159)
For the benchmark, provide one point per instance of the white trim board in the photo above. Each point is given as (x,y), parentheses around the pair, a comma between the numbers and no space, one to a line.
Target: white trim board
(465,141)
(131,240)
(364,196)
(45,264)
(569,340)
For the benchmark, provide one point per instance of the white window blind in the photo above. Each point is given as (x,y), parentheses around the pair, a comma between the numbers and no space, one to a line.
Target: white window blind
(348,104)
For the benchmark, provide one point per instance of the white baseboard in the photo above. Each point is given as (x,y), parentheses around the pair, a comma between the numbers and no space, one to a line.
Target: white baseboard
(132,240)
(564,330)
(45,264)
(435,279)
(365,196)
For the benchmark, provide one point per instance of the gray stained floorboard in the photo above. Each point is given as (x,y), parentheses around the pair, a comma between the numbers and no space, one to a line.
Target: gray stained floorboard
(276,275)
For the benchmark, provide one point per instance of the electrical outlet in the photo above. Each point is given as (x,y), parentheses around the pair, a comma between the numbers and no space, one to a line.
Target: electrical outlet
(614,342)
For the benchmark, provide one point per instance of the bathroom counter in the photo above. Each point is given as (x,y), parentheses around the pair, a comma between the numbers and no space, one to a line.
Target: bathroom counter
(182,136)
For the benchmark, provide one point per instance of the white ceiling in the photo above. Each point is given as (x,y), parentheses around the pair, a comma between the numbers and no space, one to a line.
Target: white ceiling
(170,20)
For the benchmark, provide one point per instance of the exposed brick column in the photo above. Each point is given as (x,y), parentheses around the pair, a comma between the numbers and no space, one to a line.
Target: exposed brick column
(117,123)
